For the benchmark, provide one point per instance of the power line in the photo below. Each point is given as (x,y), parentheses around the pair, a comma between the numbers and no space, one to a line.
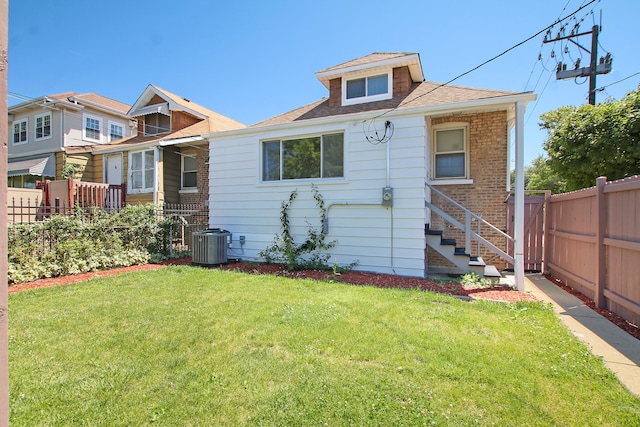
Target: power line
(600,89)
(557,21)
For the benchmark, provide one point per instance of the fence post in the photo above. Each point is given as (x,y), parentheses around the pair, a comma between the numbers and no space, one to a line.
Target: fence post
(600,250)
(545,230)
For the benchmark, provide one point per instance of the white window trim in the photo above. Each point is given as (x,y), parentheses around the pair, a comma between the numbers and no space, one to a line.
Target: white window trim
(108,132)
(13,124)
(35,123)
(182,187)
(282,139)
(466,179)
(84,128)
(130,189)
(373,98)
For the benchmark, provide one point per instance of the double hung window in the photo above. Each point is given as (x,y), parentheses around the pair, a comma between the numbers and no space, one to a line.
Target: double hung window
(43,126)
(92,130)
(20,132)
(189,172)
(450,152)
(116,131)
(142,171)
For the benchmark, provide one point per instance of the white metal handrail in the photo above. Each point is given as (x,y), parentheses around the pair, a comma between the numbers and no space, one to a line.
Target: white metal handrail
(466,227)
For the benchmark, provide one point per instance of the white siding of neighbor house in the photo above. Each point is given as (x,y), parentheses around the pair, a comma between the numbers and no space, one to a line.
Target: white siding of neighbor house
(378,238)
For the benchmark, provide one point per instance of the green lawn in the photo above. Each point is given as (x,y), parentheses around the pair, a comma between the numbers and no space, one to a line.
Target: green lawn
(184,346)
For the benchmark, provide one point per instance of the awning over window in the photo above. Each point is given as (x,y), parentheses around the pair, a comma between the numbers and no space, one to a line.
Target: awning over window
(151,109)
(38,166)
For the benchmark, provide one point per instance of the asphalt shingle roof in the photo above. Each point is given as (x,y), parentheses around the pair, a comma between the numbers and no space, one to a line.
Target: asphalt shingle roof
(420,95)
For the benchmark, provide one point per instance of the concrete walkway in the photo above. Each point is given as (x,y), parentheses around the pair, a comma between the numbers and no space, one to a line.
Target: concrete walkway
(619,350)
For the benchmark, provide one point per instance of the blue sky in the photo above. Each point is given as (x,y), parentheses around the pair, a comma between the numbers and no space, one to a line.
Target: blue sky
(252,60)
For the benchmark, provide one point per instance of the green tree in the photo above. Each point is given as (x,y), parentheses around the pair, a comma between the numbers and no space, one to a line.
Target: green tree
(540,176)
(594,140)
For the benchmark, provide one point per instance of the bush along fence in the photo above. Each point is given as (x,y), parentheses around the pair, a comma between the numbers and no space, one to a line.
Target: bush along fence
(77,240)
(592,242)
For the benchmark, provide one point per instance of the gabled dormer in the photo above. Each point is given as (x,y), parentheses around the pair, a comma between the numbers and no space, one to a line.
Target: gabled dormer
(374,77)
(160,112)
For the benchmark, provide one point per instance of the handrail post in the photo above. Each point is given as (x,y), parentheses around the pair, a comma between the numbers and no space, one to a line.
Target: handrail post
(467,232)
(478,241)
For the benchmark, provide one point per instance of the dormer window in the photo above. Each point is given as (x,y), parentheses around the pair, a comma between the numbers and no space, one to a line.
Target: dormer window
(367,89)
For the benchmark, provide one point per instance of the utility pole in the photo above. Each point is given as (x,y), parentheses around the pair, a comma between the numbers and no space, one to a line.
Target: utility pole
(4,262)
(594,68)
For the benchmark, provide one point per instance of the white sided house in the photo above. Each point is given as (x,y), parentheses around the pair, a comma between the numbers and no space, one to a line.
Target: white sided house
(392,156)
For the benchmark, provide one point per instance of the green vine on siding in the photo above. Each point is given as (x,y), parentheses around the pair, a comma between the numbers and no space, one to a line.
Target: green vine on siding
(313,252)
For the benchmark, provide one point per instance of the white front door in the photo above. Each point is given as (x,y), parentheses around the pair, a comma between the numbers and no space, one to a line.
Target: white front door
(114,170)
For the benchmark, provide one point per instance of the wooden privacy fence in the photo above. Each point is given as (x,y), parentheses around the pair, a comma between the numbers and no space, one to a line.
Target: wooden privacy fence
(593,243)
(534,206)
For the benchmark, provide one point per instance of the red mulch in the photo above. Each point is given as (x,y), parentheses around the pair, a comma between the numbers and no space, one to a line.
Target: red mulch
(496,293)
(630,328)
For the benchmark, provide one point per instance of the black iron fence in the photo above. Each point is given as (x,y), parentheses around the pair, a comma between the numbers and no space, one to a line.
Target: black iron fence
(186,218)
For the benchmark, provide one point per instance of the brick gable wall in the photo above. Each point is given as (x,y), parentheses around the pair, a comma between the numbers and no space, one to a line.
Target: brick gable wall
(486,196)
(181,120)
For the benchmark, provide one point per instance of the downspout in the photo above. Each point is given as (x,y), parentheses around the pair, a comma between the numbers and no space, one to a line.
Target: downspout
(519,199)
(156,171)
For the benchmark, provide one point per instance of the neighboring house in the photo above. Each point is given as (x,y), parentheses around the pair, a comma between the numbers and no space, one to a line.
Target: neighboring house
(374,148)
(42,130)
(166,159)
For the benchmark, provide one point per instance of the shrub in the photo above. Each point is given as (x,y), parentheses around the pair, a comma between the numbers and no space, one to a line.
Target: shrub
(77,243)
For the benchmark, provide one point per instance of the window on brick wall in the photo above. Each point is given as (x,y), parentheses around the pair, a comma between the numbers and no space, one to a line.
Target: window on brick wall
(319,156)
(367,89)
(189,173)
(450,151)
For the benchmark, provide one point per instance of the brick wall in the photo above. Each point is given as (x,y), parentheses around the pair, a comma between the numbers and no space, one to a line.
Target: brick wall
(335,92)
(486,196)
(401,81)
(202,196)
(181,120)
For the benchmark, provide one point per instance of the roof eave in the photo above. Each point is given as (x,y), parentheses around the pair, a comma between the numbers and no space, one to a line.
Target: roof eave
(412,60)
(476,104)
